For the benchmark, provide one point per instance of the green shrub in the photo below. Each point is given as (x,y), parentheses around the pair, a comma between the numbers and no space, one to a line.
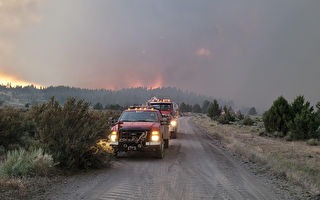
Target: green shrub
(248,121)
(70,133)
(15,127)
(223,119)
(20,163)
(227,116)
(278,116)
(230,114)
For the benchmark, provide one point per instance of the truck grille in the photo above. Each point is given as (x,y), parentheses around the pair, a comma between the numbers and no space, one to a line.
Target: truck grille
(133,134)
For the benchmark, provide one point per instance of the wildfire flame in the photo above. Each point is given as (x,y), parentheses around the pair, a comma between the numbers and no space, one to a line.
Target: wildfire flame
(14,81)
(158,83)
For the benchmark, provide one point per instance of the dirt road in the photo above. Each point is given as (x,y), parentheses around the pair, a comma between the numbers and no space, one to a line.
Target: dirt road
(194,167)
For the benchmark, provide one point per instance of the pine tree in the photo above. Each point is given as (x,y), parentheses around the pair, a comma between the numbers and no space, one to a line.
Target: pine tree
(196,108)
(252,111)
(304,121)
(278,116)
(214,110)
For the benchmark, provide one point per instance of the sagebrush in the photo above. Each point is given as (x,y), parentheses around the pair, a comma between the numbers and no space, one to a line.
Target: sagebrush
(22,163)
(70,133)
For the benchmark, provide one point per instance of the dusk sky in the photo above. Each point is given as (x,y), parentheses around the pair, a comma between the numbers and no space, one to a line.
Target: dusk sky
(244,50)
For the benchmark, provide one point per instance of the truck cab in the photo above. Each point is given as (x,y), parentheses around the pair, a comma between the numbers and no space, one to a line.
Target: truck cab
(140,129)
(168,109)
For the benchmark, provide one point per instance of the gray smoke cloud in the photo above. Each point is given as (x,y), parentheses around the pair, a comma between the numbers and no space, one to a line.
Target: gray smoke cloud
(247,51)
(15,16)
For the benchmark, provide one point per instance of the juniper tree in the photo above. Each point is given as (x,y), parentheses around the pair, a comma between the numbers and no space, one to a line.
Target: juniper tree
(278,116)
(304,121)
(214,110)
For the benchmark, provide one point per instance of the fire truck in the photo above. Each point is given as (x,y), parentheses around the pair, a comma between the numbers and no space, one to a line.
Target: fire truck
(169,110)
(140,129)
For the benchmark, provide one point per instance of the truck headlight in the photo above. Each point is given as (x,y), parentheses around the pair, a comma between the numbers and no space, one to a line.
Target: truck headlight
(155,138)
(113,136)
(173,123)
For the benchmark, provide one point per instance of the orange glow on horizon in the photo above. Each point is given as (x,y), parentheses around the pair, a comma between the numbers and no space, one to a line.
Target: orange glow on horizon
(157,83)
(14,81)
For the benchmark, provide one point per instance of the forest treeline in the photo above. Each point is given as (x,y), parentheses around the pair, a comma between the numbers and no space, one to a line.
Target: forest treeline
(30,95)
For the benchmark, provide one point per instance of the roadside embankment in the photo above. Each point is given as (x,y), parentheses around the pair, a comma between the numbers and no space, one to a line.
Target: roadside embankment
(294,160)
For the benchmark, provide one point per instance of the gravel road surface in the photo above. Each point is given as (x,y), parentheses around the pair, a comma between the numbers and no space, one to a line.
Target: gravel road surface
(194,167)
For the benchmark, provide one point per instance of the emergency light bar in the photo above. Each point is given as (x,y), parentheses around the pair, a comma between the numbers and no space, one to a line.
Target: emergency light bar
(140,108)
(161,100)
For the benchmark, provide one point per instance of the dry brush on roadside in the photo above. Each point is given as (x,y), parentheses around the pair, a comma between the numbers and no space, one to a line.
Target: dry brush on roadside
(293,160)
(38,142)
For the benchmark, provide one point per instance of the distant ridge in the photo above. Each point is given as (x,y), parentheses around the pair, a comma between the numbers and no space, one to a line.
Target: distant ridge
(19,96)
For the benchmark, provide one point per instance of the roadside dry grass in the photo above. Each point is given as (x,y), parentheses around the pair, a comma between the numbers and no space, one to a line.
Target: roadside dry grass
(295,161)
(23,188)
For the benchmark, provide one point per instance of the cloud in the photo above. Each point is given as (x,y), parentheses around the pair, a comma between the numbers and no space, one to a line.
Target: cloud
(203,52)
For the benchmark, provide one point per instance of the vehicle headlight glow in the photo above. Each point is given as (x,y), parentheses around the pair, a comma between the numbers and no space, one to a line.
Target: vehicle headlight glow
(173,123)
(155,132)
(114,133)
(113,138)
(155,138)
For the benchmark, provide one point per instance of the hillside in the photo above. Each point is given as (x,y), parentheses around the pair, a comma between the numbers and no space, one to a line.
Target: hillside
(19,96)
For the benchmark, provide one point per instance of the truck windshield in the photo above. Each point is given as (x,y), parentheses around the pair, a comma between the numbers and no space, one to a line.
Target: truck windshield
(165,107)
(139,116)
